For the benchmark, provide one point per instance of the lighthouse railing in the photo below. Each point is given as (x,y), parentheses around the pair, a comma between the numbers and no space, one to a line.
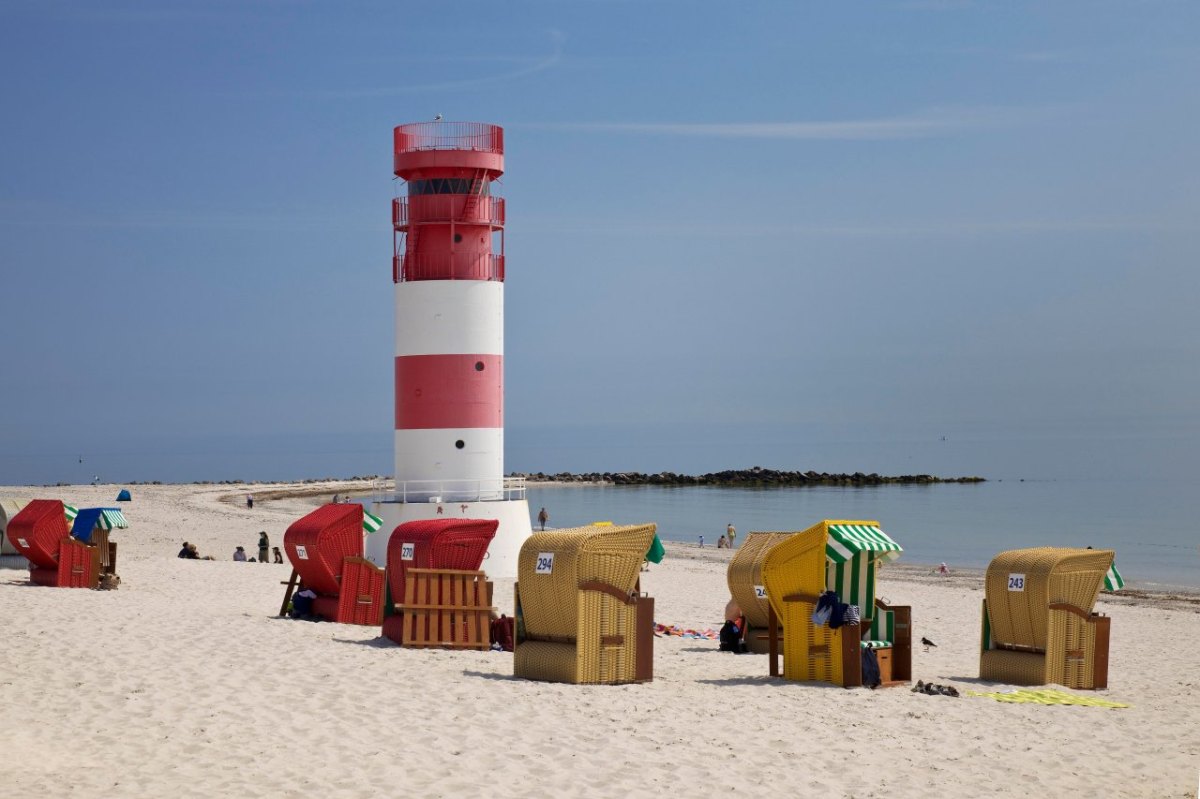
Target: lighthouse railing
(443,491)
(477,136)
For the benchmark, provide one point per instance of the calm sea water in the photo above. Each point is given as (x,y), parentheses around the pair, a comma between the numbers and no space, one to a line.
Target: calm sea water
(1152,525)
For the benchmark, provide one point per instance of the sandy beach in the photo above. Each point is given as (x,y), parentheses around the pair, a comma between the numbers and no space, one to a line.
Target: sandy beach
(186,683)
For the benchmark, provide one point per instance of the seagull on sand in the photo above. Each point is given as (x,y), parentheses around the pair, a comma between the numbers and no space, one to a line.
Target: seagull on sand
(925,642)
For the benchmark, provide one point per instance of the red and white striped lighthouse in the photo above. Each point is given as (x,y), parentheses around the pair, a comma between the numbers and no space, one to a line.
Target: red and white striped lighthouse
(448,271)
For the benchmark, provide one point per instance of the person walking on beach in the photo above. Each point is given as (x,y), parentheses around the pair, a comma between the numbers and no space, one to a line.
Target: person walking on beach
(730,534)
(264,547)
(702,542)
(249,500)
(543,517)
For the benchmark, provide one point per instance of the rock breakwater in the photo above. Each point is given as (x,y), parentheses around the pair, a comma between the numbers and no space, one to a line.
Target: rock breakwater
(755,477)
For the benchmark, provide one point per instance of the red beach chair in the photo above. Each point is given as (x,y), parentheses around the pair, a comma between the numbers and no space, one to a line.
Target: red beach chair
(37,532)
(458,544)
(325,549)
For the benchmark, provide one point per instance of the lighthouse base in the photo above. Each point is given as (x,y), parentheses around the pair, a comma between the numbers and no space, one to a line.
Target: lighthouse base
(501,560)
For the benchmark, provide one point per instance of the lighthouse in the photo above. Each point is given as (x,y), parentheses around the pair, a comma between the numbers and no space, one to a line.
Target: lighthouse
(448,276)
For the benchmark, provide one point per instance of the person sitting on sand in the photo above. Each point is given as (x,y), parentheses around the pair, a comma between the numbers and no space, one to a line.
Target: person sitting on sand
(239,554)
(278,555)
(733,632)
(721,542)
(192,552)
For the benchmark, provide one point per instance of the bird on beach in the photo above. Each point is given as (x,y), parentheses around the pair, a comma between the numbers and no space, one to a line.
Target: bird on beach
(925,642)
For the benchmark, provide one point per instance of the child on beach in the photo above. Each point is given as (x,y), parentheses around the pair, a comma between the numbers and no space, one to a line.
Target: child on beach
(278,555)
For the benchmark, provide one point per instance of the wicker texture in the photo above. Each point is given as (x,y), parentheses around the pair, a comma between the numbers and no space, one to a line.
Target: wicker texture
(458,544)
(1034,644)
(328,534)
(796,565)
(360,600)
(745,573)
(575,635)
(42,525)
(78,564)
(8,509)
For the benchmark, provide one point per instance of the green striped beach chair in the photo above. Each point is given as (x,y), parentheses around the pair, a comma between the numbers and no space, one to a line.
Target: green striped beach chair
(841,556)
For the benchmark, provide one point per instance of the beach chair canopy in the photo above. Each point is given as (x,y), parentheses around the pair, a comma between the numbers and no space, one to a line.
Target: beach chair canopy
(36,531)
(124,496)
(745,576)
(436,544)
(852,549)
(86,520)
(317,543)
(553,567)
(1023,584)
(371,522)
(8,509)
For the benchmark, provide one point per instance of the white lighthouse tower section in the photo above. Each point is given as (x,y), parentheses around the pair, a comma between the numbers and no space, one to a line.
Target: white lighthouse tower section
(451,317)
(433,478)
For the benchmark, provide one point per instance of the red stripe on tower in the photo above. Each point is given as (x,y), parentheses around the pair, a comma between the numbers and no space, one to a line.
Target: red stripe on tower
(449,391)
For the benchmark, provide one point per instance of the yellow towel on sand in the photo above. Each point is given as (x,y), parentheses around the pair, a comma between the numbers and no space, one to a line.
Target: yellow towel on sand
(1047,697)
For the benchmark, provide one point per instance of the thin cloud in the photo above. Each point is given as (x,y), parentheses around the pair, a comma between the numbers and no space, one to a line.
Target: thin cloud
(929,124)
(557,40)
(899,230)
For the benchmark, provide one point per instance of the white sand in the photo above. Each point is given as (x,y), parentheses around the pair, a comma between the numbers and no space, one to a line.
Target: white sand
(185,683)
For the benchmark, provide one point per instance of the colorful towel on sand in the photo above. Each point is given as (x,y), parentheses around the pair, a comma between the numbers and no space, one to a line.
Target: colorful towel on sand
(661,630)
(1047,697)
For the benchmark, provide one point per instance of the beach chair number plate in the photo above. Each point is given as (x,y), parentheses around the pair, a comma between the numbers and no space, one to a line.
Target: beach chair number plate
(24,544)
(408,551)
(760,591)
(545,563)
(1016,582)
(302,553)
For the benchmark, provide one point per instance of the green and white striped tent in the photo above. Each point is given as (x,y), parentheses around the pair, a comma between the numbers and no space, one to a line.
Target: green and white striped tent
(851,552)
(112,519)
(1113,581)
(371,522)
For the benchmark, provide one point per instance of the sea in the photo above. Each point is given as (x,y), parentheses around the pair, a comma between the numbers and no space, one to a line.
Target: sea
(1131,486)
(963,525)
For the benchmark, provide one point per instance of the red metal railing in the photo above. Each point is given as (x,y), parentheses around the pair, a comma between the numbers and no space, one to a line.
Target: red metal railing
(444,208)
(447,266)
(478,136)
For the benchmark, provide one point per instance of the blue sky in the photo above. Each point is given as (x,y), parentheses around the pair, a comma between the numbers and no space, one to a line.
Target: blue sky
(738,233)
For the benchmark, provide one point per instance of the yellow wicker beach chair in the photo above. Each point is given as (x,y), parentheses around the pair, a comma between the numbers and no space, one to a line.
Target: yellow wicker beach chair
(747,589)
(1038,624)
(579,616)
(841,556)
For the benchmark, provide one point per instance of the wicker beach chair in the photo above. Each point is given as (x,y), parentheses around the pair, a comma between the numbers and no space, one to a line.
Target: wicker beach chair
(35,531)
(325,549)
(579,616)
(8,509)
(451,603)
(1038,623)
(747,589)
(841,556)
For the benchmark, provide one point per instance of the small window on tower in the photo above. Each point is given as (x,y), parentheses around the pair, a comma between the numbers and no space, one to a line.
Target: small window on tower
(457,238)
(479,366)
(459,444)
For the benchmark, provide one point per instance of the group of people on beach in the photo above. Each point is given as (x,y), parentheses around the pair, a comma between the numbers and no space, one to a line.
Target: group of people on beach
(265,550)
